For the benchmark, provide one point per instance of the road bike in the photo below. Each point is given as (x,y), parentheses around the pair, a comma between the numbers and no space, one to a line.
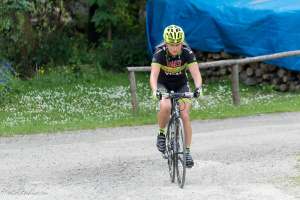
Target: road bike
(175,140)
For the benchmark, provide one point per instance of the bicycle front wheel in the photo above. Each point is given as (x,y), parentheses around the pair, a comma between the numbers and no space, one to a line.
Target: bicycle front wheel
(180,153)
(170,137)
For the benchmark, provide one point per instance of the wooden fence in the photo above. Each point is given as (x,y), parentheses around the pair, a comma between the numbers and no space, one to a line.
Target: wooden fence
(233,63)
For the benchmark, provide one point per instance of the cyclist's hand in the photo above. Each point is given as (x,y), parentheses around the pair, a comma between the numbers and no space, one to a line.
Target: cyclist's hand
(156,95)
(198,92)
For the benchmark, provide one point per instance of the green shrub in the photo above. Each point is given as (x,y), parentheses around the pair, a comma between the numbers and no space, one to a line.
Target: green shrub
(121,53)
(26,28)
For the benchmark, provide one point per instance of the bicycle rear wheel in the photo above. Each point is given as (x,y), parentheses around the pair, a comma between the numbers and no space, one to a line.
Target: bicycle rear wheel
(180,153)
(170,137)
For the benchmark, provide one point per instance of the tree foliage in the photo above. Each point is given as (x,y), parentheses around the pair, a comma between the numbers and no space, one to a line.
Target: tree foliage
(26,27)
(38,32)
(122,25)
(111,15)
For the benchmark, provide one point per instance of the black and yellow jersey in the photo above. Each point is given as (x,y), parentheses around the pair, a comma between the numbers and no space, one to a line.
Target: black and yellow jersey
(173,68)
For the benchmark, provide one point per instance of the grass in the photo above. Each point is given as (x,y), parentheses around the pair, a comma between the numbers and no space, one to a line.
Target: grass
(63,100)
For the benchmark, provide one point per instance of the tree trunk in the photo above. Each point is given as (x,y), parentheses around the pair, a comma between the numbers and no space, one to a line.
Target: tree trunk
(142,12)
(29,45)
(109,32)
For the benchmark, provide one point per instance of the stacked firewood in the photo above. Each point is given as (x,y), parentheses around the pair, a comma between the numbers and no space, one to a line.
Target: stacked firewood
(215,73)
(251,74)
(282,79)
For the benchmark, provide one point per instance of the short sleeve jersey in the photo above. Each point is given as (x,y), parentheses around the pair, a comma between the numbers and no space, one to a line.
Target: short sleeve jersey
(173,68)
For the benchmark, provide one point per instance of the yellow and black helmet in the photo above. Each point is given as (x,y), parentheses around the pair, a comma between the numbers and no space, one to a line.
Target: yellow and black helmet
(173,34)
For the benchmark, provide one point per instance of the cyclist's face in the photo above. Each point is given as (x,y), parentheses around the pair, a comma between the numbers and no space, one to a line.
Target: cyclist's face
(174,49)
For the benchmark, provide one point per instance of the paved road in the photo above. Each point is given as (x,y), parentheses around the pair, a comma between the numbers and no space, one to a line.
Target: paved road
(251,158)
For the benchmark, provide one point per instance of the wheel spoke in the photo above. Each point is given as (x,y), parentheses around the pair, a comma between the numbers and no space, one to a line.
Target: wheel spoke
(180,154)
(170,150)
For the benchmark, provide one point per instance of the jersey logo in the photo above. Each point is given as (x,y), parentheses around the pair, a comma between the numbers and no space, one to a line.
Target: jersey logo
(177,73)
(174,63)
(173,70)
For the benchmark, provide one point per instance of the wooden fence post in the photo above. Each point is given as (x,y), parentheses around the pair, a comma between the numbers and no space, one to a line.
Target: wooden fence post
(133,91)
(235,85)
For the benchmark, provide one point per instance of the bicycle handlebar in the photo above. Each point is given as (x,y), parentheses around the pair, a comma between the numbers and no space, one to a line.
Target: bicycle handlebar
(176,95)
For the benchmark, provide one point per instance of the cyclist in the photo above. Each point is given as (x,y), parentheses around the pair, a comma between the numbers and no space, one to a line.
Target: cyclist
(168,72)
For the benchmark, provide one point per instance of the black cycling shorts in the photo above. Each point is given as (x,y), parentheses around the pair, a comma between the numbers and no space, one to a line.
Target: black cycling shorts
(162,88)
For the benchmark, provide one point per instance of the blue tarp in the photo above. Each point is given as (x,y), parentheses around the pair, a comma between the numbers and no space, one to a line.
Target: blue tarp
(244,27)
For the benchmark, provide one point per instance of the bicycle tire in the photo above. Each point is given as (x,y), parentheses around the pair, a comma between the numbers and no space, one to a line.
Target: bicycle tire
(170,149)
(180,153)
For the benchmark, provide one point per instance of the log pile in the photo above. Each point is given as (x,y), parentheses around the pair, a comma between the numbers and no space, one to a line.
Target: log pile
(212,74)
(251,74)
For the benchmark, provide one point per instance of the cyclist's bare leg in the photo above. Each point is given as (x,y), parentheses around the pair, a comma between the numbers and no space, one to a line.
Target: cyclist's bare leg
(185,116)
(164,112)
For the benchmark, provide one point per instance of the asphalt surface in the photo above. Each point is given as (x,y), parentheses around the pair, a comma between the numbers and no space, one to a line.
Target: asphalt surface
(249,158)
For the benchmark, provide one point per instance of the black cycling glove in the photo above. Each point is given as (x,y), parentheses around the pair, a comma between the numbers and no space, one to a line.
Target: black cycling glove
(197,92)
(157,95)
